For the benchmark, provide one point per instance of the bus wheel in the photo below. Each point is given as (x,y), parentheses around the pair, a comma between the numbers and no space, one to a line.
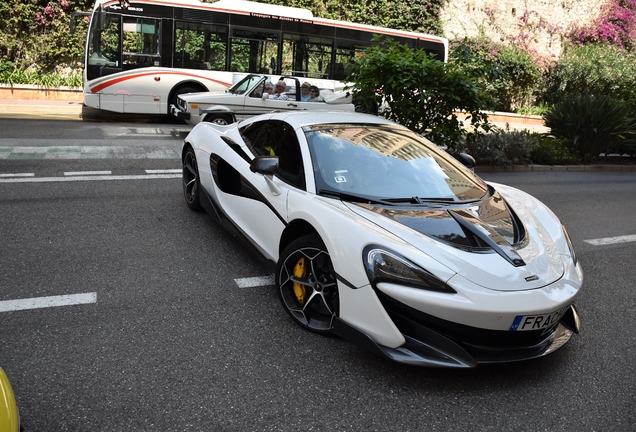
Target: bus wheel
(220,119)
(182,90)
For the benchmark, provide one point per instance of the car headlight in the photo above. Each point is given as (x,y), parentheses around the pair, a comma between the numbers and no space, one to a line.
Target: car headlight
(382,265)
(570,246)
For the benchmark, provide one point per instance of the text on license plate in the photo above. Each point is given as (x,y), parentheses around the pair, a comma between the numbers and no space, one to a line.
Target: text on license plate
(537,322)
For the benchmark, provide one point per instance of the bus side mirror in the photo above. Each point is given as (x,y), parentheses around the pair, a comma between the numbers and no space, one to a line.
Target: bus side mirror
(100,15)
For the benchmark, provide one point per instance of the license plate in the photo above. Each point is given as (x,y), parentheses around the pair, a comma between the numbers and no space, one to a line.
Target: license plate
(537,322)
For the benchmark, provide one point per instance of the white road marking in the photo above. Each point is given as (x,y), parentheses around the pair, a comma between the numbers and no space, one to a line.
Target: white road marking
(254,281)
(44,302)
(164,171)
(79,173)
(89,178)
(612,240)
(18,175)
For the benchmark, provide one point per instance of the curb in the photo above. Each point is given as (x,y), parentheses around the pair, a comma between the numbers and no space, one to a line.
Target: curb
(555,168)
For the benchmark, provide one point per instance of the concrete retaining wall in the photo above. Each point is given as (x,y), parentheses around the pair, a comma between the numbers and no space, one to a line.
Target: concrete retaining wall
(30,92)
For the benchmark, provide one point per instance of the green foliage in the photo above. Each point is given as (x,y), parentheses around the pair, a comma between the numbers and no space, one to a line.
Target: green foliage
(419,92)
(414,16)
(508,73)
(46,79)
(35,33)
(552,151)
(595,70)
(592,125)
(537,110)
(503,147)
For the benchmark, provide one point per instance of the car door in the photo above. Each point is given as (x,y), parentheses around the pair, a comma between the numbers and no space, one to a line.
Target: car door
(256,104)
(254,206)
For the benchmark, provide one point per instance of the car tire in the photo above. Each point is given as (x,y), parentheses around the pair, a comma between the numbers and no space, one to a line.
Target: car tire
(191,183)
(307,286)
(220,119)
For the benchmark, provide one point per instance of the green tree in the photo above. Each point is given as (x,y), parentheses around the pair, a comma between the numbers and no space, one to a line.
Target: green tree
(421,93)
(414,16)
(35,33)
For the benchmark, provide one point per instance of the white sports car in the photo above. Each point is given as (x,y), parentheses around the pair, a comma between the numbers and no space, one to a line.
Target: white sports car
(246,99)
(375,234)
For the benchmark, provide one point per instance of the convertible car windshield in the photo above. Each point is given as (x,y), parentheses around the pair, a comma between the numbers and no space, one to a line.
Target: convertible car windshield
(387,163)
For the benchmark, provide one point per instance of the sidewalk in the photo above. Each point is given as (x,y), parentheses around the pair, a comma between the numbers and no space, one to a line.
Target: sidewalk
(41,106)
(74,108)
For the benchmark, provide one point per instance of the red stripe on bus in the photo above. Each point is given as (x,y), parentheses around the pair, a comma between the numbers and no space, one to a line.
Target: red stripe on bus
(111,82)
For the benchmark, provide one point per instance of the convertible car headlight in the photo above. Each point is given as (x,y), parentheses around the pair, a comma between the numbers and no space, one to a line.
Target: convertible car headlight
(570,246)
(382,265)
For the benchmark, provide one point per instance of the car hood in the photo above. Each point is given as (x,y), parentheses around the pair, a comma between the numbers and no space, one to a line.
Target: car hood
(488,242)
(207,97)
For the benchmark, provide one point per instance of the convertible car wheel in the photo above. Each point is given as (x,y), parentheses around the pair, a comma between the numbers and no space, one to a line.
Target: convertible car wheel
(220,119)
(191,180)
(306,284)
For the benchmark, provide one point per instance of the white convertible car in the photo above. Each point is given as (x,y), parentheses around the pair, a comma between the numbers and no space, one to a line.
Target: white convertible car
(245,99)
(378,236)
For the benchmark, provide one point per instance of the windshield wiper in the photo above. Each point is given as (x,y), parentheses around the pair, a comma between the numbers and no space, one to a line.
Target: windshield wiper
(353,198)
(420,200)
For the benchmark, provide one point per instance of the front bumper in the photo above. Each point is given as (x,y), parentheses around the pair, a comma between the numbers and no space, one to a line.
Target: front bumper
(176,112)
(444,344)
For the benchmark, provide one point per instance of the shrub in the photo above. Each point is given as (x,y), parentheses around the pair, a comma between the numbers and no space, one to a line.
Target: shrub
(420,92)
(552,151)
(592,69)
(615,25)
(48,79)
(508,73)
(592,125)
(503,147)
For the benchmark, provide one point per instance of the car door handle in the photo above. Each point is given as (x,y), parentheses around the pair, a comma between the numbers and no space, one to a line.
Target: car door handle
(292,105)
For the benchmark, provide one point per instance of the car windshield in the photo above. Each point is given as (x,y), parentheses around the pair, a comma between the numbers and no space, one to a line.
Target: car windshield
(387,163)
(245,84)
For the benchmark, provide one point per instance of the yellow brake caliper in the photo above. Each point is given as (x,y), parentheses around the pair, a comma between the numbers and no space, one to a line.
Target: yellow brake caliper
(300,271)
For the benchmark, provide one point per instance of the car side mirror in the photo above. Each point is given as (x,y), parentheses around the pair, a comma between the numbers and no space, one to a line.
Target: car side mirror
(467,160)
(266,165)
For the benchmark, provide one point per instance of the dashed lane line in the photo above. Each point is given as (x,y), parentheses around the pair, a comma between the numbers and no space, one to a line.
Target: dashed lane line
(80,173)
(89,178)
(17,175)
(45,302)
(254,281)
(612,240)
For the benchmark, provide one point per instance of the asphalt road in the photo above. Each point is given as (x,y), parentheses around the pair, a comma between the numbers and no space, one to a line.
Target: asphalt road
(172,342)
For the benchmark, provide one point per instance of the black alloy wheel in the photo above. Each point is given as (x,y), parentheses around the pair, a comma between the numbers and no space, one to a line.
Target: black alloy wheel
(191,180)
(307,285)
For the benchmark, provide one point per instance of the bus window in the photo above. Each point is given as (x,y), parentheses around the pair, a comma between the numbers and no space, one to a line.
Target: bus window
(200,46)
(141,42)
(345,52)
(306,55)
(104,53)
(254,51)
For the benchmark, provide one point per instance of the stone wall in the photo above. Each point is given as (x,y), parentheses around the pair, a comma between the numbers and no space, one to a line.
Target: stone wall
(537,25)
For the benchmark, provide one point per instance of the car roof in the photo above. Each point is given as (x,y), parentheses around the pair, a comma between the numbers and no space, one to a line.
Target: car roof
(299,119)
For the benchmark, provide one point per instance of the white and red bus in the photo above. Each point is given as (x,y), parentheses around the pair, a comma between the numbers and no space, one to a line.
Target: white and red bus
(141,54)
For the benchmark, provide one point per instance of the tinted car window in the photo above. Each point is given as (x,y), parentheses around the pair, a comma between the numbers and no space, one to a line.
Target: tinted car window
(274,138)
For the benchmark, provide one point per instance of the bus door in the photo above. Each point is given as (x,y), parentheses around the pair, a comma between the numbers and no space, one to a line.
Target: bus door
(254,51)
(141,43)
